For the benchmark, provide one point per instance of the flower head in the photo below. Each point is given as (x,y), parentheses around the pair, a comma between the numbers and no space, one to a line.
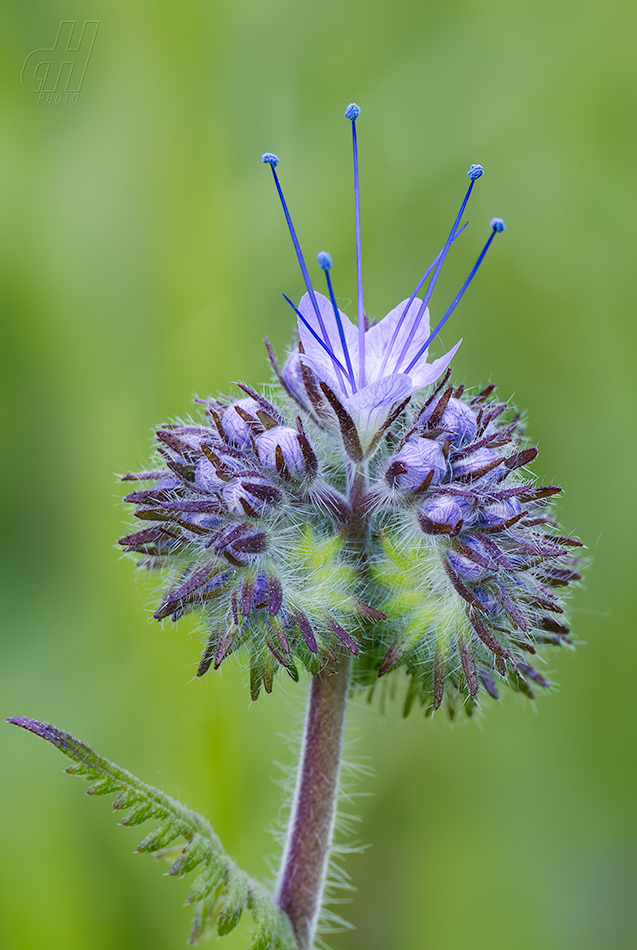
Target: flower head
(332,515)
(372,369)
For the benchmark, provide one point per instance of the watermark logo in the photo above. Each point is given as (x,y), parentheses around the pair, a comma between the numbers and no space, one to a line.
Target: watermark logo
(57,72)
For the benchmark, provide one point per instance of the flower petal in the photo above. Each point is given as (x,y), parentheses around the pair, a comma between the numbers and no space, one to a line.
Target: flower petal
(425,373)
(370,406)
(323,374)
(317,356)
(378,339)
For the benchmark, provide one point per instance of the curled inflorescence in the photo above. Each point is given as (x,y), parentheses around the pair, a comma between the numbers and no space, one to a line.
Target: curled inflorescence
(463,566)
(361,505)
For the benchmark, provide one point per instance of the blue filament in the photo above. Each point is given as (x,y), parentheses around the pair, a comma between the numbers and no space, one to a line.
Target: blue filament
(352,112)
(327,349)
(337,316)
(432,284)
(495,229)
(411,300)
(268,159)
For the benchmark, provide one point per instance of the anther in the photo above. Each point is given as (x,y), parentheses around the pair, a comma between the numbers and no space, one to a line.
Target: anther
(497,224)
(353,111)
(475,171)
(324,260)
(269,158)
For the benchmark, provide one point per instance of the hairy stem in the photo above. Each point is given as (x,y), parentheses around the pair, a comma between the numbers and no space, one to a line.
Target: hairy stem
(309,839)
(307,850)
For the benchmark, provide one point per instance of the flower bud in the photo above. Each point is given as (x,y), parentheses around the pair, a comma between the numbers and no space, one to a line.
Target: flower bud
(206,478)
(292,376)
(260,591)
(466,568)
(235,427)
(414,462)
(241,544)
(442,515)
(477,464)
(458,419)
(499,514)
(286,440)
(491,607)
(250,495)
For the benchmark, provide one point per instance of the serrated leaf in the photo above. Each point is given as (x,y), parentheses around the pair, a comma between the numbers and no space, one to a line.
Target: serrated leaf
(138,814)
(160,838)
(233,904)
(170,854)
(221,890)
(79,770)
(125,800)
(192,855)
(207,880)
(105,786)
(203,924)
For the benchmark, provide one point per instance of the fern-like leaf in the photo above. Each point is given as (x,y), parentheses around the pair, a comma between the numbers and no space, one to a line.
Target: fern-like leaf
(221,891)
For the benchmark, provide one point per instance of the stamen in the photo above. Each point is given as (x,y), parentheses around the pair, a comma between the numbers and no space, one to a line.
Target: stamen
(411,300)
(497,225)
(329,352)
(325,263)
(475,172)
(352,112)
(268,158)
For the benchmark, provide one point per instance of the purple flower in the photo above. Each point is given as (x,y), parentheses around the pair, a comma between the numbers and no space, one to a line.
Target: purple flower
(371,370)
(501,514)
(206,477)
(394,367)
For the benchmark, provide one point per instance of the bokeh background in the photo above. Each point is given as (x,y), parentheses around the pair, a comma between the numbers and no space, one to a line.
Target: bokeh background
(142,255)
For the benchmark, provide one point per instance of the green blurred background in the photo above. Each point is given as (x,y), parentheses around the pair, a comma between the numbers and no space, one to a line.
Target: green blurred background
(142,255)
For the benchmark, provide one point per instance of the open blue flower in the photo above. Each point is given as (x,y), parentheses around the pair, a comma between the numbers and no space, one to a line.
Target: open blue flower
(395,363)
(371,370)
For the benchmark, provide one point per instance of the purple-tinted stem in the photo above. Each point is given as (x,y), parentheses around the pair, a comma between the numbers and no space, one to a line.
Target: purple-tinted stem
(306,856)
(309,839)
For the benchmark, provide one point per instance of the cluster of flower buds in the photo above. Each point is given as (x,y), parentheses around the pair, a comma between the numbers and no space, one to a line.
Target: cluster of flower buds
(230,511)
(246,511)
(410,537)
(488,538)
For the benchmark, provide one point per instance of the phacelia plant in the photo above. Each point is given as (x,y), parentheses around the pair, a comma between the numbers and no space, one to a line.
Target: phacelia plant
(359,518)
